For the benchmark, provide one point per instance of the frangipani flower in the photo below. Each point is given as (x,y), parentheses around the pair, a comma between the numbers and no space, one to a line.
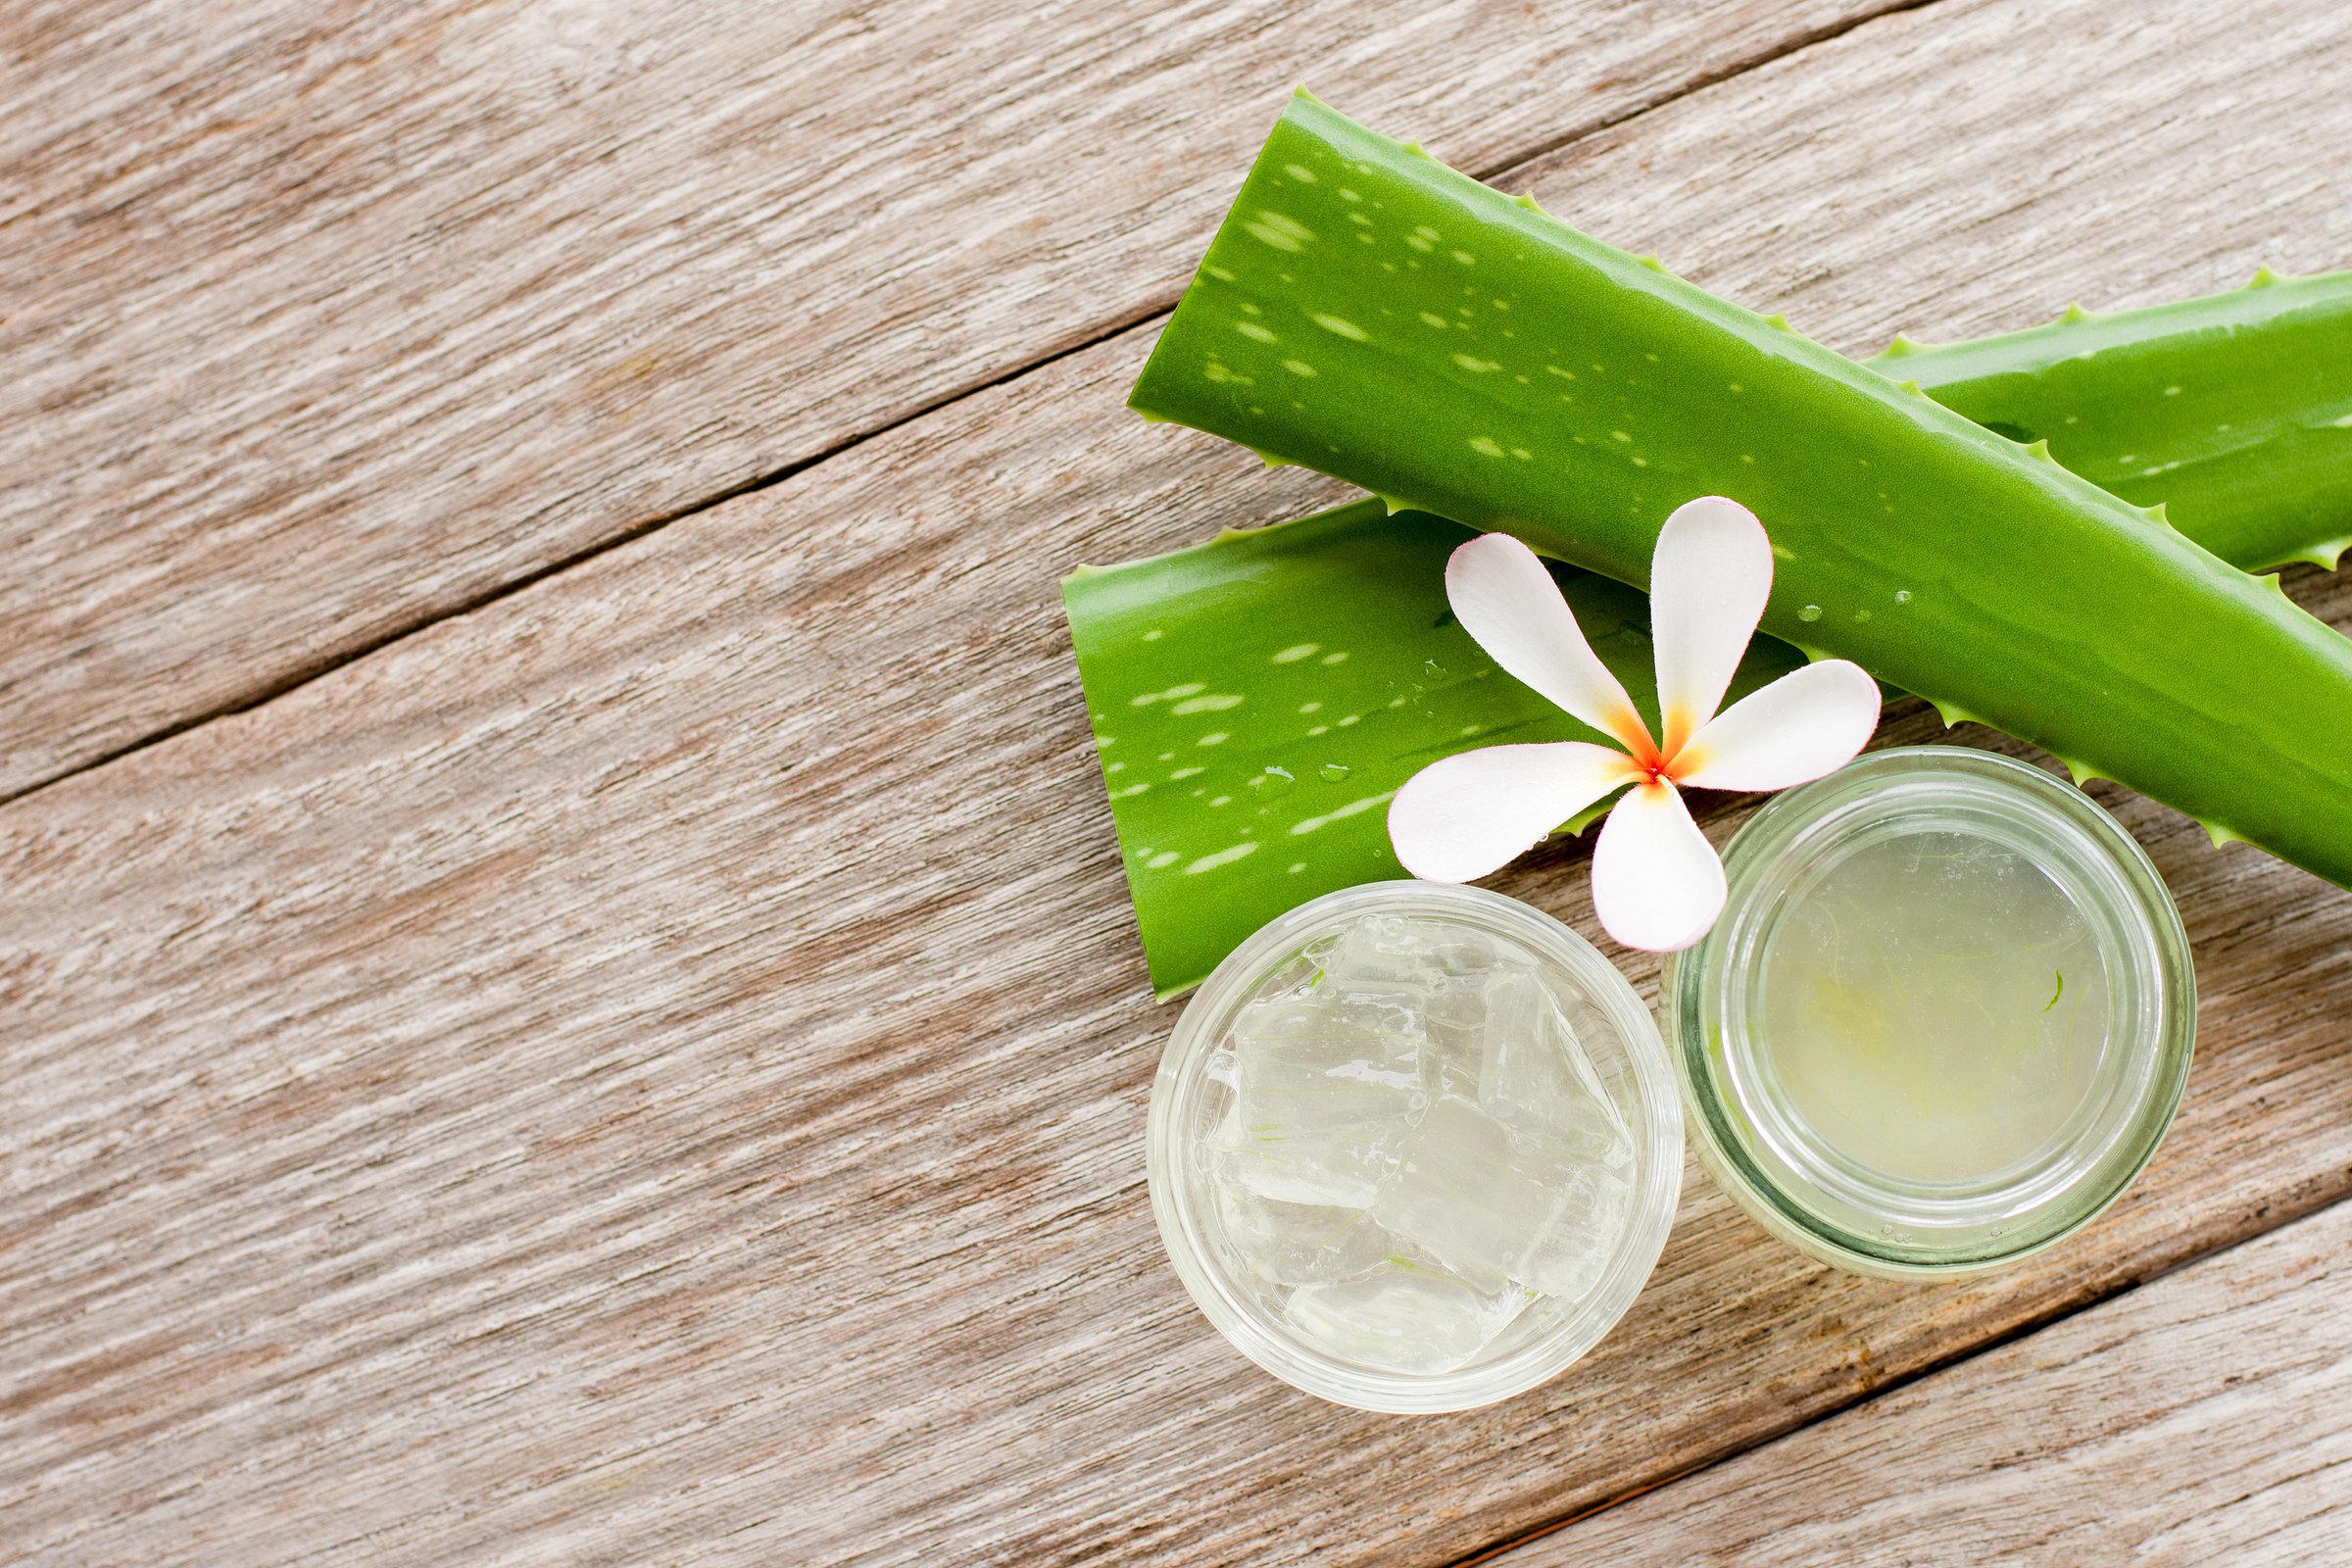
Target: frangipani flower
(1656,881)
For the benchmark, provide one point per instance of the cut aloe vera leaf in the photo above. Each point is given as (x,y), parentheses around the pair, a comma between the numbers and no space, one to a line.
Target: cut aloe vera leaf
(1367,312)
(2279,346)
(1257,698)
(2233,411)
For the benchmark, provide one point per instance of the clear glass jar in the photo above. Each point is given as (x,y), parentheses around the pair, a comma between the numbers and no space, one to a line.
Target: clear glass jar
(2061,1114)
(1192,1096)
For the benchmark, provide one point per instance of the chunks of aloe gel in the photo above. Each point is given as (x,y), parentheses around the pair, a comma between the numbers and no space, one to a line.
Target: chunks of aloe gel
(1417,1148)
(1326,1084)
(1485,1196)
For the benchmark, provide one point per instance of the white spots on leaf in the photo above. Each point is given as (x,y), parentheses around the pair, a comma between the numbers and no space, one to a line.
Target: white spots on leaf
(1210,862)
(1185,773)
(1476,365)
(1163,859)
(1335,659)
(1809,613)
(1464,256)
(1310,824)
(1153,635)
(1435,320)
(1487,446)
(1254,330)
(1215,737)
(1215,703)
(1279,230)
(1342,327)
(1295,653)
(1299,172)
(1298,368)
(1189,688)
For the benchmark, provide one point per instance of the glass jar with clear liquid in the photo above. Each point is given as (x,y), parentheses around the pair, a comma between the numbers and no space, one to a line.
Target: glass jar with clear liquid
(1944,1020)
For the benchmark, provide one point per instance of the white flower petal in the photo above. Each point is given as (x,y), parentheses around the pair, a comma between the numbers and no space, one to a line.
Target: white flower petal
(1505,598)
(1809,723)
(1657,883)
(1708,581)
(1473,812)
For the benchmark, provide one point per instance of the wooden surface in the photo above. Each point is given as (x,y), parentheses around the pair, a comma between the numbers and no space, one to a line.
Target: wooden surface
(327,320)
(2204,1418)
(652,1069)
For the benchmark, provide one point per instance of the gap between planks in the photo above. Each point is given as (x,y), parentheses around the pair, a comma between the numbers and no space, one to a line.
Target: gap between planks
(2260,1275)
(2025,1329)
(1156,306)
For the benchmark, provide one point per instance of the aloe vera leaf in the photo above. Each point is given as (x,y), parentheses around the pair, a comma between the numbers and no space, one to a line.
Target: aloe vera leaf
(2279,346)
(2233,410)
(1257,698)
(1367,312)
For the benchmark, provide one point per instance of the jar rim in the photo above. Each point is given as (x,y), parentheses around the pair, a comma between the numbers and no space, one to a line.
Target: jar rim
(1799,1193)
(1264,1338)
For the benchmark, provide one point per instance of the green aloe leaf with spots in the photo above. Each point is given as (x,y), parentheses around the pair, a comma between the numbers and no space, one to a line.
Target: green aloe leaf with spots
(1298,813)
(1471,357)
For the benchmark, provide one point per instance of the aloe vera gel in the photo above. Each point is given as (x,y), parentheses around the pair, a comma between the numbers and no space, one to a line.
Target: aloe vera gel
(1415,1147)
(1945,1017)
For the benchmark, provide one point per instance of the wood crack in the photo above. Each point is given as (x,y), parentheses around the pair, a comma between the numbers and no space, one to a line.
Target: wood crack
(1155,308)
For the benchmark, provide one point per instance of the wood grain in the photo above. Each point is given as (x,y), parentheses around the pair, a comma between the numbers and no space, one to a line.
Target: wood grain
(2206,1417)
(323,319)
(655,1070)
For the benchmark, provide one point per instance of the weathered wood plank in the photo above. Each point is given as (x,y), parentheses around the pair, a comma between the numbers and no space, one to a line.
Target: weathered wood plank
(655,1069)
(2205,1418)
(324,319)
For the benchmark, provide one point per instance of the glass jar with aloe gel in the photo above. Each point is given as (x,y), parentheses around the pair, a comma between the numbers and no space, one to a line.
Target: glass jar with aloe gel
(1415,1147)
(1944,1019)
